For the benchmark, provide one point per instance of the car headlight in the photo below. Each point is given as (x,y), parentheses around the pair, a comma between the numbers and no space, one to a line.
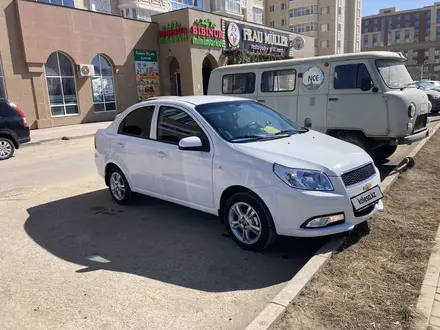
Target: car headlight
(412,110)
(303,179)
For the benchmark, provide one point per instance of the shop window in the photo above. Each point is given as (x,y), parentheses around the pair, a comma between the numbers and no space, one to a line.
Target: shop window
(61,86)
(174,124)
(65,3)
(350,76)
(278,81)
(2,82)
(240,83)
(103,90)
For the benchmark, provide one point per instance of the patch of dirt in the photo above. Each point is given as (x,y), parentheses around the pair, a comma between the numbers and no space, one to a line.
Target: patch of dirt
(374,281)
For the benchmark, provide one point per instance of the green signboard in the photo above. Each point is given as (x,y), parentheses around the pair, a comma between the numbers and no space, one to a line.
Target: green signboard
(145,56)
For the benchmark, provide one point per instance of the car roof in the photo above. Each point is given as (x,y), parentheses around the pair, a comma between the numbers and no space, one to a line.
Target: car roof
(195,100)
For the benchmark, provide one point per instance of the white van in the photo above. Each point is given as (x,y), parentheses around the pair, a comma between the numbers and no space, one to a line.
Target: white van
(367,98)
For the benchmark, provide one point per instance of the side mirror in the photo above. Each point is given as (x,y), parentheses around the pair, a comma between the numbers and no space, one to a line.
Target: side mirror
(366,84)
(191,143)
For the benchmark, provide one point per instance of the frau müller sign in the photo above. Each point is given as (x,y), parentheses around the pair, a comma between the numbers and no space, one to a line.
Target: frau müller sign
(268,38)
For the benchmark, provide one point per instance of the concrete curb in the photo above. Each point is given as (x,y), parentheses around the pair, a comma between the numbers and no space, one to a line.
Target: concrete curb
(276,308)
(66,138)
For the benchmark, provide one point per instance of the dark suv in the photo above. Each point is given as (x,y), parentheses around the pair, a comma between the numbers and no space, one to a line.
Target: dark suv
(14,129)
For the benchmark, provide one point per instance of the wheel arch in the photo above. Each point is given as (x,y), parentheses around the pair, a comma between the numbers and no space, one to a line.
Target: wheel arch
(10,136)
(108,167)
(230,191)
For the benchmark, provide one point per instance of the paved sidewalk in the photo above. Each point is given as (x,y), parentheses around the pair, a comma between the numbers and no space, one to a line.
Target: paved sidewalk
(72,132)
(428,305)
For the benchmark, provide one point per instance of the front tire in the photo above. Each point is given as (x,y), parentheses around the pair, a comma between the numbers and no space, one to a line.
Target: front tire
(119,187)
(249,222)
(357,139)
(7,148)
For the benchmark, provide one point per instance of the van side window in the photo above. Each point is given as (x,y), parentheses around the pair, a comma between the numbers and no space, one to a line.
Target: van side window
(137,123)
(239,83)
(278,81)
(350,76)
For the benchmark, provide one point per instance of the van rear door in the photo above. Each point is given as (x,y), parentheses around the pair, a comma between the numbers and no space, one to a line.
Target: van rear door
(278,90)
(351,108)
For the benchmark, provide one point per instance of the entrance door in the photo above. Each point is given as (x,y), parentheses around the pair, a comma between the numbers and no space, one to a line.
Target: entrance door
(175,86)
(351,108)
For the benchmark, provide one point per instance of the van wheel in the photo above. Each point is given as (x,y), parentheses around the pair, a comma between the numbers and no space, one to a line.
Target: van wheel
(249,222)
(6,148)
(385,151)
(357,139)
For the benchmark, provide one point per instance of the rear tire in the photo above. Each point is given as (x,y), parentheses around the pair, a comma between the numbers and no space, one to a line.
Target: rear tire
(119,187)
(385,151)
(249,222)
(7,148)
(357,139)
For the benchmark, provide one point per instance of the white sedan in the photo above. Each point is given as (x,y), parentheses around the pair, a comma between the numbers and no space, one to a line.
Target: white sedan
(261,173)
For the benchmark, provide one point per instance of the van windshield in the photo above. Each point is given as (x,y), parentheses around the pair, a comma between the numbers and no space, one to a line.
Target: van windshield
(394,73)
(247,121)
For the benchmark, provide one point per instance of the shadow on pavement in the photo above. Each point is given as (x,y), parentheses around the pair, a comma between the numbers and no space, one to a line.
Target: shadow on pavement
(161,241)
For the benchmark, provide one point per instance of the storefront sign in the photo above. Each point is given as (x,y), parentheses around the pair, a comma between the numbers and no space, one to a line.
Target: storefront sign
(173,32)
(147,73)
(206,34)
(256,39)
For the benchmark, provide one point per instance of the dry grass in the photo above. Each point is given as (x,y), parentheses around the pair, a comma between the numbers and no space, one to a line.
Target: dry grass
(374,282)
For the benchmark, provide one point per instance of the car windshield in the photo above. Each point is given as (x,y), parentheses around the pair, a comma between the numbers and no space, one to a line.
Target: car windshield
(394,73)
(247,121)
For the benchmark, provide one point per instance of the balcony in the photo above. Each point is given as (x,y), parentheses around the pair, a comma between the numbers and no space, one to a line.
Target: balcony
(228,8)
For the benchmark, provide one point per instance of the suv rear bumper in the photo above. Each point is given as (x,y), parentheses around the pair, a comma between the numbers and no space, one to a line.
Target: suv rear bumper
(417,136)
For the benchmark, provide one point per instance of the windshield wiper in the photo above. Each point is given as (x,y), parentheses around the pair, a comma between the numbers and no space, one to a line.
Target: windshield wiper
(293,131)
(407,85)
(250,137)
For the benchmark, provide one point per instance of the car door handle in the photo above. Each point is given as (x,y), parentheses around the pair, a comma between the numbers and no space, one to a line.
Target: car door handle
(335,99)
(261,101)
(161,154)
(119,144)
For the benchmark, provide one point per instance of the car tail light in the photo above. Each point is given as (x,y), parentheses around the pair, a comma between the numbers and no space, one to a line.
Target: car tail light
(12,104)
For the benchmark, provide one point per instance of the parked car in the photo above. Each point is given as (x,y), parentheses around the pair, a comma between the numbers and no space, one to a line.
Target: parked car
(429,84)
(356,97)
(14,129)
(432,93)
(261,173)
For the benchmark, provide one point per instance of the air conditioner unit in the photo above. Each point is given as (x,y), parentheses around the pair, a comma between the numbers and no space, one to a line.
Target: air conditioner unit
(86,70)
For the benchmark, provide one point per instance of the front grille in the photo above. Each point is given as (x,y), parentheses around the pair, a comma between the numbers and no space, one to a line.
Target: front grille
(364,211)
(420,122)
(358,175)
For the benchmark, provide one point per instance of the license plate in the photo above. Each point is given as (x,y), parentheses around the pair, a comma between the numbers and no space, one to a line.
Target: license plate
(367,198)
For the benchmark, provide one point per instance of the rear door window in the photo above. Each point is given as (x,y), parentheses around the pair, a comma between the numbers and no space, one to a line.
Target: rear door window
(138,123)
(239,83)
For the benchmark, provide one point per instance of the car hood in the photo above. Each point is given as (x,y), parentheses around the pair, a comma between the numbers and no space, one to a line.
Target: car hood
(311,150)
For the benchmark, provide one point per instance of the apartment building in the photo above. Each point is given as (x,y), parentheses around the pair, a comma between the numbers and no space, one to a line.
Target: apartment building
(248,10)
(336,24)
(415,33)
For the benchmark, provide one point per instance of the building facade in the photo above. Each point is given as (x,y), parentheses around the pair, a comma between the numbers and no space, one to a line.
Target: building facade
(415,33)
(248,10)
(64,65)
(336,24)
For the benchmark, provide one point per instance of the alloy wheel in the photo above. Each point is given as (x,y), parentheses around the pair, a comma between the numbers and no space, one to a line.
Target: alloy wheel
(117,186)
(244,222)
(5,149)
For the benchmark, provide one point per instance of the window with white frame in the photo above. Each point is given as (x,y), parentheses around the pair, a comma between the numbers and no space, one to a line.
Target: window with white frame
(324,27)
(143,15)
(257,15)
(325,44)
(2,82)
(178,4)
(65,3)
(103,90)
(305,27)
(304,11)
(325,10)
(61,86)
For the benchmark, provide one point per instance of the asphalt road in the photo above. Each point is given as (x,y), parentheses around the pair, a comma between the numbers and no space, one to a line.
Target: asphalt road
(71,258)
